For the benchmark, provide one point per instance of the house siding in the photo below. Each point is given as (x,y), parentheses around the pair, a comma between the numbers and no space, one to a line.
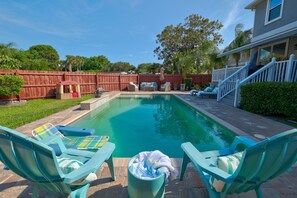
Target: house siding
(289,15)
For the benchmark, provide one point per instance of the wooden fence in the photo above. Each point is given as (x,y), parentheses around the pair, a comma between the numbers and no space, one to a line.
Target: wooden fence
(42,84)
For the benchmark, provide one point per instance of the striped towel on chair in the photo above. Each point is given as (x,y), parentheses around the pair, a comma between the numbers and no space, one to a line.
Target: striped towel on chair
(45,131)
(88,142)
(85,142)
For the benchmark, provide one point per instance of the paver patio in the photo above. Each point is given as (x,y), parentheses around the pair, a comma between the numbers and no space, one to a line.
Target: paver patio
(240,121)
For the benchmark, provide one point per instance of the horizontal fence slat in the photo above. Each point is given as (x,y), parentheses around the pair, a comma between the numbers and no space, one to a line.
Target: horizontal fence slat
(42,84)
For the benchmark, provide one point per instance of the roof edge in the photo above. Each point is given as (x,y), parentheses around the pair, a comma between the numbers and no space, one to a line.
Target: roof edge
(253,5)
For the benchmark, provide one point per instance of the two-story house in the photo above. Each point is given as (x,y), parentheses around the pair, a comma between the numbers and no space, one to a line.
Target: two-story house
(274,31)
(273,50)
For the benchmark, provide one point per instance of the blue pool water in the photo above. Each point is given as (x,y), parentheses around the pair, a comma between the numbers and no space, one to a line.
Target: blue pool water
(146,123)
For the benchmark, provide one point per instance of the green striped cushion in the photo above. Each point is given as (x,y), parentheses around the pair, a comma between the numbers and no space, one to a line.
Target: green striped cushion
(68,165)
(45,131)
(228,164)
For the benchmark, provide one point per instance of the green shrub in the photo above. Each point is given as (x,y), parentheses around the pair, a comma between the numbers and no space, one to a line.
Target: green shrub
(8,62)
(270,98)
(10,85)
(197,87)
(188,82)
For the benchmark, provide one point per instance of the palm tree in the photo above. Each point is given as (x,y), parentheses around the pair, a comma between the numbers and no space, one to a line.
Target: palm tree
(5,49)
(69,62)
(241,38)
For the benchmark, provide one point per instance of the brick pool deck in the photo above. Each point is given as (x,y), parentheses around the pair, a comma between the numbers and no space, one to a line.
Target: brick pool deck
(237,120)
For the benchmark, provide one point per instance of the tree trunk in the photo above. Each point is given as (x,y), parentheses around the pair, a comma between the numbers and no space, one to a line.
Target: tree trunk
(197,66)
(237,61)
(70,67)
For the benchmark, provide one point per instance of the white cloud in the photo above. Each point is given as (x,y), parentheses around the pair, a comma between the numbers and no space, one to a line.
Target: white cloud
(233,16)
(41,28)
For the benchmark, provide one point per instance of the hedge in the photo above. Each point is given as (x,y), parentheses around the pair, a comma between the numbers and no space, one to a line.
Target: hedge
(10,85)
(270,98)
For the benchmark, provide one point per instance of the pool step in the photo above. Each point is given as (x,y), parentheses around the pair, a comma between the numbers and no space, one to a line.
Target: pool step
(93,103)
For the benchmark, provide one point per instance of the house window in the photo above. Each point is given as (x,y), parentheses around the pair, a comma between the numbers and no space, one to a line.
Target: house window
(277,50)
(274,10)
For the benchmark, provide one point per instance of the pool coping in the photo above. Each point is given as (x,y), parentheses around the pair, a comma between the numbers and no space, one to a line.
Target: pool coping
(225,124)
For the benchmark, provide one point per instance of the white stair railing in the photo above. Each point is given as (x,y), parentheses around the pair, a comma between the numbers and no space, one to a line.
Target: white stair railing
(294,72)
(272,72)
(229,84)
(223,73)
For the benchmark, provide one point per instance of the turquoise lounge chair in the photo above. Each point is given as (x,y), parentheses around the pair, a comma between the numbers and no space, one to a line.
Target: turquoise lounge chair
(37,162)
(259,163)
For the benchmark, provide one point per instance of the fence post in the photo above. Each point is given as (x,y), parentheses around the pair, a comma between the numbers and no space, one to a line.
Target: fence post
(226,68)
(212,75)
(120,83)
(246,73)
(64,76)
(96,78)
(271,71)
(236,95)
(18,96)
(219,91)
(289,68)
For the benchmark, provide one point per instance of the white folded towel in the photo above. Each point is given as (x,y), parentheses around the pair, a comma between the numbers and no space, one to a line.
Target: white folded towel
(152,164)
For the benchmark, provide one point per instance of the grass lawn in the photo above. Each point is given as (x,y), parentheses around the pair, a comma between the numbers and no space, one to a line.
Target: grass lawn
(15,116)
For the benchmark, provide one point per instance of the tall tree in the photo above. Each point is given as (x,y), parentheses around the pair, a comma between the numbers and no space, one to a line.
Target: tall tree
(6,49)
(149,68)
(242,38)
(184,38)
(69,62)
(96,63)
(7,62)
(121,67)
(47,53)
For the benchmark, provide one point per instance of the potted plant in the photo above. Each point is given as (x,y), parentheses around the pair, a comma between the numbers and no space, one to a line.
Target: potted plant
(99,92)
(175,85)
(188,83)
(183,87)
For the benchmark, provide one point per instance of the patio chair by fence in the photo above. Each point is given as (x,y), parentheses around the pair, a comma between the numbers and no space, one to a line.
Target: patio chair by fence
(228,171)
(132,87)
(165,87)
(149,86)
(37,162)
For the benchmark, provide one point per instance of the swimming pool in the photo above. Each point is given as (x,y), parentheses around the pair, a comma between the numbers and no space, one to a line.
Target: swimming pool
(150,122)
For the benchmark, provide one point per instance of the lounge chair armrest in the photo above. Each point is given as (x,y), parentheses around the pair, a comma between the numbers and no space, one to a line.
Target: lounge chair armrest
(242,140)
(54,139)
(216,153)
(75,131)
(199,161)
(92,166)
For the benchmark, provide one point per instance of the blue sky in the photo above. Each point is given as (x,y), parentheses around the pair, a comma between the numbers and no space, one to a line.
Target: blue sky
(122,30)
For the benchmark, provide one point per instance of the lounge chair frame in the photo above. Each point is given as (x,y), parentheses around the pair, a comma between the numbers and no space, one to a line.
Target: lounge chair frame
(260,162)
(37,162)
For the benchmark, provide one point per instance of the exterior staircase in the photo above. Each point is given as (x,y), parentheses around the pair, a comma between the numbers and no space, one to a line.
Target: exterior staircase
(228,99)
(282,71)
